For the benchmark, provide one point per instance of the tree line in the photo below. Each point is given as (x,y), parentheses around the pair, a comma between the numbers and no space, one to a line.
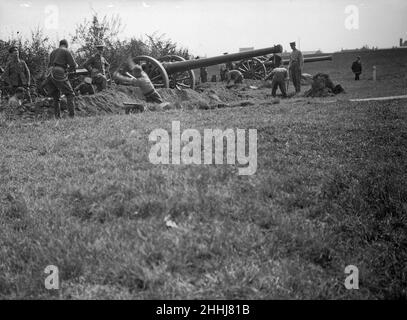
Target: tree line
(36,48)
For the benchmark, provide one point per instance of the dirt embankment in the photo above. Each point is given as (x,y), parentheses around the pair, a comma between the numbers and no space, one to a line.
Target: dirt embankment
(114,100)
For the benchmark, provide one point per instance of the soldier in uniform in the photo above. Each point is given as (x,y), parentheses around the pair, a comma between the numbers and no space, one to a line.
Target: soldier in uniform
(203,74)
(98,66)
(295,67)
(17,73)
(280,80)
(85,87)
(357,68)
(139,79)
(233,77)
(61,61)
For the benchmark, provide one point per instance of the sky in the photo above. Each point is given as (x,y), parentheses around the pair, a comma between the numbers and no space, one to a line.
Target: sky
(209,27)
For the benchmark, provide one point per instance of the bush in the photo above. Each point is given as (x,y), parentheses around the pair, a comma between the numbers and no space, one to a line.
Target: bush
(107,29)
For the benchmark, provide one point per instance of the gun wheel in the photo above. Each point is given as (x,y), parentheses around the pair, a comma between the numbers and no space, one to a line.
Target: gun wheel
(179,80)
(154,70)
(252,69)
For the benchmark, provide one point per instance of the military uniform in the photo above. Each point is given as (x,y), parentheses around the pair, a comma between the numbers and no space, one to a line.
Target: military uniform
(16,74)
(203,74)
(279,79)
(144,83)
(57,82)
(234,75)
(295,67)
(357,69)
(85,89)
(97,65)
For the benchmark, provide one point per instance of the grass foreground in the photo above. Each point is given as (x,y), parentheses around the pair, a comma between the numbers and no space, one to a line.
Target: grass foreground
(330,191)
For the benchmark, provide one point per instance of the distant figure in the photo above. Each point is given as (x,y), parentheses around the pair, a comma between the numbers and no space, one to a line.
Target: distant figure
(357,68)
(98,67)
(295,66)
(224,67)
(16,73)
(203,74)
(280,79)
(60,62)
(140,80)
(85,87)
(233,77)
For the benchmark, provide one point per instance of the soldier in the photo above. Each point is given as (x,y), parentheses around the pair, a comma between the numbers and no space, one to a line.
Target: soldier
(140,79)
(97,66)
(295,66)
(223,69)
(233,77)
(357,68)
(61,61)
(17,73)
(85,87)
(203,74)
(280,80)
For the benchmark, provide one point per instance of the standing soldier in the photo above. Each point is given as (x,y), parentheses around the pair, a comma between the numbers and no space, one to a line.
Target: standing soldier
(295,66)
(97,66)
(223,70)
(357,68)
(17,73)
(60,62)
(203,73)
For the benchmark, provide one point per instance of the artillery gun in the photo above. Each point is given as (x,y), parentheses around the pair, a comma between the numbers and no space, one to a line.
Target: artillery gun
(176,72)
(257,68)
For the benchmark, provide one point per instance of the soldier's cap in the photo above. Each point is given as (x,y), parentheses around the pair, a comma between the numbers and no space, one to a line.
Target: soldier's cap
(63,42)
(292,43)
(12,49)
(87,80)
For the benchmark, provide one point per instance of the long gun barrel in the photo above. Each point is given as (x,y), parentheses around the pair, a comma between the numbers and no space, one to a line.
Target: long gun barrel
(182,66)
(312,59)
(307,59)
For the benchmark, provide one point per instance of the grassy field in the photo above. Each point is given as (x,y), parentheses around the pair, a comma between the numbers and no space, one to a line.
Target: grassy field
(391,68)
(330,191)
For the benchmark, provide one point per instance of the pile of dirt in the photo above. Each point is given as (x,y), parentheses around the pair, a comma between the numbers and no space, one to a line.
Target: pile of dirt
(115,99)
(322,86)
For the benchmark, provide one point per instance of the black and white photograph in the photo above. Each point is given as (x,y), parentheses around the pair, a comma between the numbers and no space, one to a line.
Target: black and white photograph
(191,150)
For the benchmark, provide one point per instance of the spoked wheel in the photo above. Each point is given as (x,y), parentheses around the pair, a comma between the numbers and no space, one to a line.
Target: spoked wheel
(252,69)
(179,80)
(154,70)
